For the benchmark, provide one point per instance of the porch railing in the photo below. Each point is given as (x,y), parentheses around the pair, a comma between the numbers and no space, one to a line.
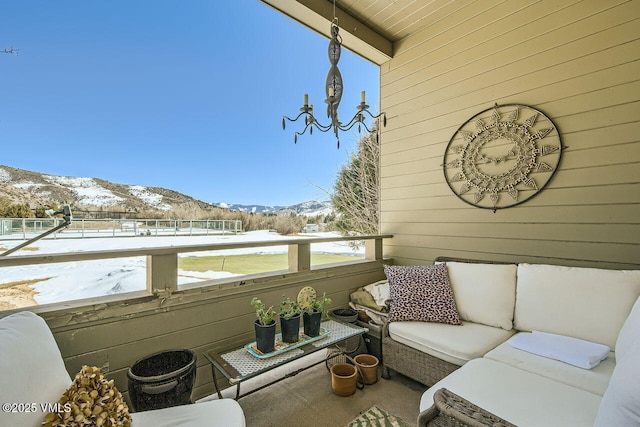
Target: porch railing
(162,262)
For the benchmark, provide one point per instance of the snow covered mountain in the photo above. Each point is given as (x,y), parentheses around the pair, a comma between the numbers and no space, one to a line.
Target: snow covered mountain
(311,208)
(37,189)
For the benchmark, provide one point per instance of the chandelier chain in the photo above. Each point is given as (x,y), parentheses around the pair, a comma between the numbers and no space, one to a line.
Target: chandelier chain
(333,89)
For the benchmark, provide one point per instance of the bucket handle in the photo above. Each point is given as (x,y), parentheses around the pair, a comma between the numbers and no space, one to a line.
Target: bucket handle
(160,388)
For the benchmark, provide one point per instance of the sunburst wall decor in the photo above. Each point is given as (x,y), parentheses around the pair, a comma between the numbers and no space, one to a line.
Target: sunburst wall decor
(502,156)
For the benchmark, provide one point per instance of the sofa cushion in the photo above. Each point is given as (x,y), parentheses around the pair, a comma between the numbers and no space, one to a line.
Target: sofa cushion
(518,396)
(587,303)
(484,293)
(628,339)
(594,380)
(454,344)
(216,413)
(421,293)
(620,404)
(31,367)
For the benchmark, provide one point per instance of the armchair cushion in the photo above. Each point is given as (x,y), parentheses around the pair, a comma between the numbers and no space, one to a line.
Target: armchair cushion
(31,367)
(216,413)
(32,370)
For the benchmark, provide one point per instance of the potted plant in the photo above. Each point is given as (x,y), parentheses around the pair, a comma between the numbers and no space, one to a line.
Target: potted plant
(265,326)
(313,315)
(289,320)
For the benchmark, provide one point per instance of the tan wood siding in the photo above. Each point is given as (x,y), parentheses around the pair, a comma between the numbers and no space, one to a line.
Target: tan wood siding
(576,61)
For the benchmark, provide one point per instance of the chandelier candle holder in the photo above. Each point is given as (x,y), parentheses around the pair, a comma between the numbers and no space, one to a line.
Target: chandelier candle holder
(333,90)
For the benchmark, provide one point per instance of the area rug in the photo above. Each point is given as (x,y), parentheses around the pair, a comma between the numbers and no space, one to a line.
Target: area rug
(377,417)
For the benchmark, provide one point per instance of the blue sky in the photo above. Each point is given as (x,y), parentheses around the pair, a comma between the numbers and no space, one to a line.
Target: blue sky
(186,95)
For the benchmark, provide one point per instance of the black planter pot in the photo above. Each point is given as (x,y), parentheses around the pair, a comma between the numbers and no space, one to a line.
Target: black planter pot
(290,329)
(265,336)
(312,323)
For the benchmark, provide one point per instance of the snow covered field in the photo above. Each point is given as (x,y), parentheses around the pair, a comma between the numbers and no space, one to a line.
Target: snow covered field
(85,279)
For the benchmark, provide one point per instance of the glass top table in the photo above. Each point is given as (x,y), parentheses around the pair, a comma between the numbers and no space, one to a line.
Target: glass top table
(240,365)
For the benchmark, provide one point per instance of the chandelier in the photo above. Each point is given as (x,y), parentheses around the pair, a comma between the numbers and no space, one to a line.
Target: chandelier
(333,90)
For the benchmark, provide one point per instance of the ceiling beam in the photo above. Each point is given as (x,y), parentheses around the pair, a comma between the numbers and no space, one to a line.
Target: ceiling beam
(356,36)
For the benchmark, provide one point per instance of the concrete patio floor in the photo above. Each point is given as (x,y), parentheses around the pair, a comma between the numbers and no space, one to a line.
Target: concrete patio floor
(306,399)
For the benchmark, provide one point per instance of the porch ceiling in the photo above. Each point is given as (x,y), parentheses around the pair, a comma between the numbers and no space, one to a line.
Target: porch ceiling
(368,27)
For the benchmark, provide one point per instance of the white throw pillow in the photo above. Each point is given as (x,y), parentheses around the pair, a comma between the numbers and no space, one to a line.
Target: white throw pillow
(587,303)
(484,293)
(628,339)
(620,405)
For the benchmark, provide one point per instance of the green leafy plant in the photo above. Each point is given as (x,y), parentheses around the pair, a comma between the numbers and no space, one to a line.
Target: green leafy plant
(318,304)
(289,308)
(265,315)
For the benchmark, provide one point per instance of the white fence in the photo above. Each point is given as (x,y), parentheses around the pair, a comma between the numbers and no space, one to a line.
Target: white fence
(26,228)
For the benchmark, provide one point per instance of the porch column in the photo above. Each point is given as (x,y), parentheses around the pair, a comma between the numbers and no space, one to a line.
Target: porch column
(300,257)
(162,273)
(373,249)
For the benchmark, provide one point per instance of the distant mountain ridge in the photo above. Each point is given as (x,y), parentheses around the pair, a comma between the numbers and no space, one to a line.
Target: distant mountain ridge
(310,208)
(37,189)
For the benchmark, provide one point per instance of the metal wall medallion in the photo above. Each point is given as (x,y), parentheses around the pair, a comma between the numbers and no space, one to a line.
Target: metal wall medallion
(502,156)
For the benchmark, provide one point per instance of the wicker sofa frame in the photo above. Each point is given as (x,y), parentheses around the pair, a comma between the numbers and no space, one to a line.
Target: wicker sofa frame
(451,410)
(413,363)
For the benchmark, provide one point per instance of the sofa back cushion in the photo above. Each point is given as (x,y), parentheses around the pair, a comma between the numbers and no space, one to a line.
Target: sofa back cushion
(31,368)
(620,405)
(484,293)
(587,303)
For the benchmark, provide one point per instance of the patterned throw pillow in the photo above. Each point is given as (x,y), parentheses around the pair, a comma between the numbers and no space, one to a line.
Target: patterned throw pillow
(421,293)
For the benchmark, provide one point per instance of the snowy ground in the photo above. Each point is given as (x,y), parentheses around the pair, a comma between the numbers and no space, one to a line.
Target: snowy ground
(85,279)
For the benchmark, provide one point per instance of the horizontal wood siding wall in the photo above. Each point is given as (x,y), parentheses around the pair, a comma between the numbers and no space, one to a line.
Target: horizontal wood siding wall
(115,335)
(576,61)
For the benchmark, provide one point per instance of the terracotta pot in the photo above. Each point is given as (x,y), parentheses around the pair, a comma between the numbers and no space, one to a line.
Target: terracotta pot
(368,364)
(343,379)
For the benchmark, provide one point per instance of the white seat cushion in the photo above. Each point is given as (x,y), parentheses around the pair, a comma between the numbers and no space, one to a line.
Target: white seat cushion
(211,413)
(31,368)
(484,293)
(520,397)
(594,380)
(455,344)
(587,303)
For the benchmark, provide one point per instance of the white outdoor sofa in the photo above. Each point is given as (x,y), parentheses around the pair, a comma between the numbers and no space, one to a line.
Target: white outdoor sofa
(499,302)
(32,373)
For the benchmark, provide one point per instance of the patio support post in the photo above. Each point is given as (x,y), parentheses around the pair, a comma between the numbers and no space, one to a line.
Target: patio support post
(373,249)
(300,257)
(162,273)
